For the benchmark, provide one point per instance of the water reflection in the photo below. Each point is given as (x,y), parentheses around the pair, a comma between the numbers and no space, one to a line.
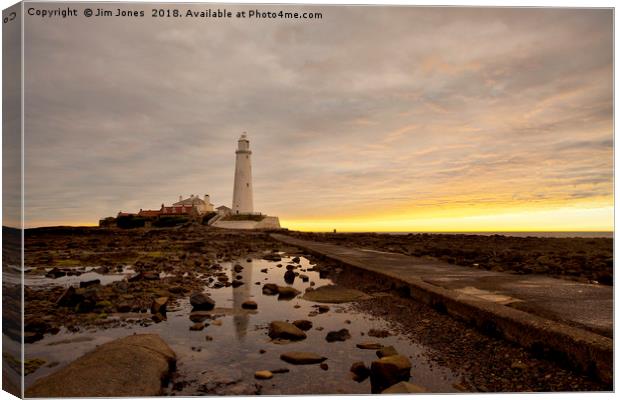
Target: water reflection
(241,294)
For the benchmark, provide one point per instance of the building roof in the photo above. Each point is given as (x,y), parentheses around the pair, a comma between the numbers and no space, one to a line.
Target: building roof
(223,208)
(149,213)
(191,201)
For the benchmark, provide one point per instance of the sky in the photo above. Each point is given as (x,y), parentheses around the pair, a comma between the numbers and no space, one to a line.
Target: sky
(368,119)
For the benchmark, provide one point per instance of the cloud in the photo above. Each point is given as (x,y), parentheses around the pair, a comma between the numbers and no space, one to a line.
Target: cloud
(369,108)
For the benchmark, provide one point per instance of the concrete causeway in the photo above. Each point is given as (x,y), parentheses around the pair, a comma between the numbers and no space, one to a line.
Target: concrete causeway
(571,318)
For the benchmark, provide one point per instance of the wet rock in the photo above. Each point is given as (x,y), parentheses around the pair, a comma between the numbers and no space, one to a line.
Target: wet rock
(291,267)
(110,371)
(199,316)
(386,351)
(150,276)
(380,333)
(272,257)
(93,282)
(263,374)
(102,270)
(404,387)
(284,330)
(157,318)
(289,277)
(369,346)
(334,294)
(280,371)
(270,289)
(323,309)
(69,298)
(296,260)
(31,337)
(287,293)
(388,371)
(236,283)
(238,268)
(249,305)
(55,273)
(159,305)
(201,301)
(360,371)
(198,326)
(123,307)
(302,358)
(303,324)
(338,336)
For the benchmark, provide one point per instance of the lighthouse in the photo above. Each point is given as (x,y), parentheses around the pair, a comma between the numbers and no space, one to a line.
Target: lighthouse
(243,202)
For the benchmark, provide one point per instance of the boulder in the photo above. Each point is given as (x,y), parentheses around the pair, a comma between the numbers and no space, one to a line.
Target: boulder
(201,301)
(404,387)
(338,336)
(302,357)
(270,289)
(159,305)
(249,305)
(133,366)
(284,330)
(287,293)
(303,324)
(388,371)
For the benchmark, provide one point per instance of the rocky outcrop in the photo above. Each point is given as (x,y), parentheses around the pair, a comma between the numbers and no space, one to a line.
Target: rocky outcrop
(129,367)
(404,387)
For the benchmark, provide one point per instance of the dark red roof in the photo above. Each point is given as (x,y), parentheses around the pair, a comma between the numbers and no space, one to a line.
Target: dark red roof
(149,213)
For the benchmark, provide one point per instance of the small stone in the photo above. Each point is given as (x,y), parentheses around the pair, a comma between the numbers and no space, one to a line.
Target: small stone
(249,305)
(388,371)
(280,371)
(208,338)
(198,326)
(324,366)
(199,316)
(236,283)
(518,365)
(264,270)
(263,374)
(304,278)
(386,351)
(217,322)
(262,351)
(201,301)
(323,309)
(303,324)
(287,293)
(284,330)
(380,333)
(238,268)
(296,260)
(338,336)
(159,305)
(369,346)
(93,282)
(270,289)
(360,371)
(302,357)
(289,277)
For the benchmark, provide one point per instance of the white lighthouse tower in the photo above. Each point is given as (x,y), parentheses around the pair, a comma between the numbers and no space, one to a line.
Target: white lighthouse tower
(243,200)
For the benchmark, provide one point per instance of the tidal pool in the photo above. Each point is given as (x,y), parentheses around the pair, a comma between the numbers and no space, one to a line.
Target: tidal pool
(225,364)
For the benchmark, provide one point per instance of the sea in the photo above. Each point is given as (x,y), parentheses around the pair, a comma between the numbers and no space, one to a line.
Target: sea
(607,234)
